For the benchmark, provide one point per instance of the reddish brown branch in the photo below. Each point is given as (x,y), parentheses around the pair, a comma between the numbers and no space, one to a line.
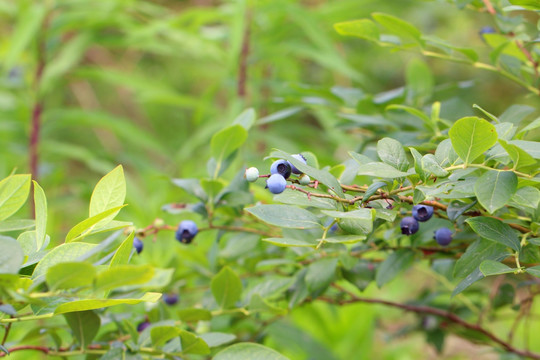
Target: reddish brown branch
(432,311)
(243,63)
(489,7)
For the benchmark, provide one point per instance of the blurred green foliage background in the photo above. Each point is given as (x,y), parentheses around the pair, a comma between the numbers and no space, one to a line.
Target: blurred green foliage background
(146,84)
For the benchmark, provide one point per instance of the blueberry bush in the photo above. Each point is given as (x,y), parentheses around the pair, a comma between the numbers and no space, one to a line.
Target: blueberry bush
(411,212)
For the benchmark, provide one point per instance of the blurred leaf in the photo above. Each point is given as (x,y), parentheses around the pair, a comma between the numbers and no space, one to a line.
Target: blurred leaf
(399,27)
(194,314)
(40,202)
(122,275)
(285,216)
(85,326)
(161,334)
(226,141)
(394,264)
(320,275)
(364,28)
(14,191)
(69,275)
(361,275)
(258,304)
(534,270)
(477,252)
(381,170)
(471,136)
(494,188)
(16,224)
(11,255)
(419,83)
(226,288)
(248,351)
(528,4)
(81,305)
(246,119)
(290,242)
(192,187)
(215,339)
(494,230)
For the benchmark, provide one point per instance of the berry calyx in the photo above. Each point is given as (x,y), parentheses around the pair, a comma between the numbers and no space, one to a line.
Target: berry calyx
(186,231)
(409,225)
(251,174)
(443,236)
(276,184)
(299,157)
(281,167)
(422,212)
(138,244)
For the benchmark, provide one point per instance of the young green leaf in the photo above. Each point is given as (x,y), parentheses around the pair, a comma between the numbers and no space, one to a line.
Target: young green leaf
(394,264)
(110,192)
(495,188)
(391,152)
(471,136)
(121,256)
(70,275)
(363,28)
(40,203)
(226,287)
(14,191)
(84,228)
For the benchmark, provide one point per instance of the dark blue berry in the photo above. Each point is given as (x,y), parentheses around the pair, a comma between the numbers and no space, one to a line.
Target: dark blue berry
(170,299)
(487,30)
(143,326)
(299,157)
(186,231)
(276,184)
(409,225)
(443,236)
(138,244)
(281,167)
(422,212)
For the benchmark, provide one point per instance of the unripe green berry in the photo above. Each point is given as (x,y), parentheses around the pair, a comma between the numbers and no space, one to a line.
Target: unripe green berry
(252,174)
(304,180)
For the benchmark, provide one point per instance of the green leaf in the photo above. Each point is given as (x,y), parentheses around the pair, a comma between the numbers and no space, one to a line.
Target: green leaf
(194,314)
(491,267)
(488,114)
(418,164)
(121,256)
(14,191)
(91,304)
(477,252)
(300,199)
(431,166)
(320,275)
(322,176)
(289,242)
(343,239)
(528,4)
(226,141)
(109,193)
(495,188)
(494,230)
(84,228)
(534,270)
(249,351)
(122,275)
(527,196)
(391,152)
(11,255)
(214,339)
(258,304)
(85,326)
(61,254)
(363,28)
(381,170)
(40,202)
(192,344)
(399,27)
(246,119)
(471,136)
(70,275)
(285,216)
(419,83)
(519,157)
(161,334)
(530,147)
(361,218)
(457,208)
(430,124)
(192,187)
(16,224)
(394,264)
(226,287)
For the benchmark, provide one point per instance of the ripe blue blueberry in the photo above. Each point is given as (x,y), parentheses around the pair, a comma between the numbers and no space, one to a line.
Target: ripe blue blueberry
(281,167)
(186,231)
(443,236)
(143,326)
(252,174)
(422,212)
(170,299)
(276,184)
(409,225)
(138,244)
(297,157)
(304,180)
(487,30)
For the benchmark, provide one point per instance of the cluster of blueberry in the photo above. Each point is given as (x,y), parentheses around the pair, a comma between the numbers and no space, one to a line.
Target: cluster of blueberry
(185,233)
(409,225)
(280,171)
